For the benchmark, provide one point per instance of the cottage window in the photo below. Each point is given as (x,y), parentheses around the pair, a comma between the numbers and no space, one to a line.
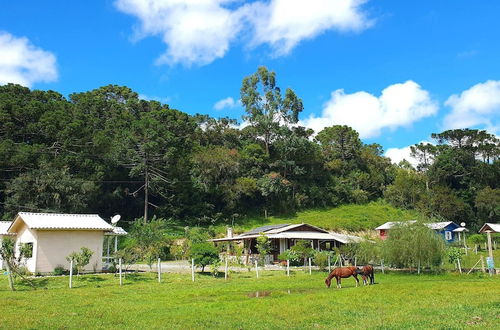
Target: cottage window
(27,250)
(447,235)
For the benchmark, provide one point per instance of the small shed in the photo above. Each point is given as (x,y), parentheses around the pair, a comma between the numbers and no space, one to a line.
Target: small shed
(447,229)
(490,227)
(51,237)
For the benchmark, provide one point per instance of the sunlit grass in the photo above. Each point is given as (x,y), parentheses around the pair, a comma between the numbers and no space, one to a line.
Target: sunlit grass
(352,217)
(299,301)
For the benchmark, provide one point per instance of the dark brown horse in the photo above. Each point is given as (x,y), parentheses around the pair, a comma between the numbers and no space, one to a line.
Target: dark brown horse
(367,272)
(342,272)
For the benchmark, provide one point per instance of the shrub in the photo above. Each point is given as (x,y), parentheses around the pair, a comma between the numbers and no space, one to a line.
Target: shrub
(80,259)
(291,255)
(321,259)
(303,249)
(60,270)
(263,247)
(204,254)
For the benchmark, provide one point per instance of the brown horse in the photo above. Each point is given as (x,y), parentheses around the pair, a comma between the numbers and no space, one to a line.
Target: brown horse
(342,272)
(367,272)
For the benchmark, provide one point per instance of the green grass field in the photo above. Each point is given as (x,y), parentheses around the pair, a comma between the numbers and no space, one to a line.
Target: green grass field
(351,217)
(300,301)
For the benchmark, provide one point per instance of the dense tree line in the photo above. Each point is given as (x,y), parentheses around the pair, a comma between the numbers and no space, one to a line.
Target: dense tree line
(108,151)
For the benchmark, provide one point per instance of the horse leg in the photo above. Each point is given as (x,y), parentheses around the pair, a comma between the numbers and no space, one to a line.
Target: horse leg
(372,279)
(356,278)
(364,280)
(339,283)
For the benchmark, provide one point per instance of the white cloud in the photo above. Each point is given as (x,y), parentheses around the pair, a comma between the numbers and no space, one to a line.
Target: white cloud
(228,102)
(398,154)
(284,23)
(200,31)
(195,31)
(476,106)
(23,63)
(161,99)
(398,105)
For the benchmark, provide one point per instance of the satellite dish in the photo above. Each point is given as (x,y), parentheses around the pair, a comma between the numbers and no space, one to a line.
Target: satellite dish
(115,219)
(462,224)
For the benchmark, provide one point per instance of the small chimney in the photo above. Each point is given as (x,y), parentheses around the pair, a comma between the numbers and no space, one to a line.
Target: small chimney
(229,232)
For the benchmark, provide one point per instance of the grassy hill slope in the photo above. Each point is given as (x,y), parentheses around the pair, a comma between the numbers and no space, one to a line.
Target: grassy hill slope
(352,217)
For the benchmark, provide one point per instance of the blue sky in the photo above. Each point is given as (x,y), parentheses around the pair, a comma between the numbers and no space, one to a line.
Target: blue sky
(394,70)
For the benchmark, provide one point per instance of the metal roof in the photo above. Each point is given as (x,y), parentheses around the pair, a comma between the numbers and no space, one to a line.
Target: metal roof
(264,229)
(431,225)
(117,231)
(460,229)
(389,225)
(4,226)
(46,221)
(494,227)
(438,225)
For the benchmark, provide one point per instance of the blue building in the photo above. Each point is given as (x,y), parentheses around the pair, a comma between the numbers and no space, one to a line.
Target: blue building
(446,229)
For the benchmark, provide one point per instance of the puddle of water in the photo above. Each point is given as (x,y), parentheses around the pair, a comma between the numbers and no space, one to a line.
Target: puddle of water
(259,294)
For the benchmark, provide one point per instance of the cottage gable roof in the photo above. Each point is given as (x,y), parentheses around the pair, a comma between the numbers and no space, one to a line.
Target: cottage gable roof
(431,225)
(56,221)
(494,227)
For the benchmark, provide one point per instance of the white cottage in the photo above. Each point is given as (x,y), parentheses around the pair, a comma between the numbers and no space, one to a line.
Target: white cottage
(52,237)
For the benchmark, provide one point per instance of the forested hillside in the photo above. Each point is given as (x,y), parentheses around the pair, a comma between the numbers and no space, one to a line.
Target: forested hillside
(106,150)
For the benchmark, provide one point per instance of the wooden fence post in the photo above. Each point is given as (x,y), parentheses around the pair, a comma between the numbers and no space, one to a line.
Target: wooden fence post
(382,264)
(482,265)
(310,267)
(459,266)
(329,263)
(287,267)
(256,269)
(71,273)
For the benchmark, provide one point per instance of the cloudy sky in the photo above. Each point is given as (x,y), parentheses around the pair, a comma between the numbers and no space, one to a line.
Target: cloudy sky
(394,70)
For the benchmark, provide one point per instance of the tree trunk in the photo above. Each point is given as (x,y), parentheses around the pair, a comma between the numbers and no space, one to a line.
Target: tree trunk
(11,280)
(146,184)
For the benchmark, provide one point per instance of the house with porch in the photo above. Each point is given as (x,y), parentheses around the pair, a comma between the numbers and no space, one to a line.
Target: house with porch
(449,230)
(48,238)
(284,236)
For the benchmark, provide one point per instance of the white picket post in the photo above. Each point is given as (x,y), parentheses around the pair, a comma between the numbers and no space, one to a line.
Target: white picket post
(329,264)
(192,270)
(225,271)
(71,274)
(159,270)
(120,270)
(256,269)
(382,263)
(310,267)
(287,267)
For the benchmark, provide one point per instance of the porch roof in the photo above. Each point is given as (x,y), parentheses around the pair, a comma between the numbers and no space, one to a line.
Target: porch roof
(307,235)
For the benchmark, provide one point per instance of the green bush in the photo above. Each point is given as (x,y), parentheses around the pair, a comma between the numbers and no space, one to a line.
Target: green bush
(321,259)
(291,255)
(204,254)
(60,270)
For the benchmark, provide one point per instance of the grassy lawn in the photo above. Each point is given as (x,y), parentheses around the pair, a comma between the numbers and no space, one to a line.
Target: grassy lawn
(351,217)
(301,301)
